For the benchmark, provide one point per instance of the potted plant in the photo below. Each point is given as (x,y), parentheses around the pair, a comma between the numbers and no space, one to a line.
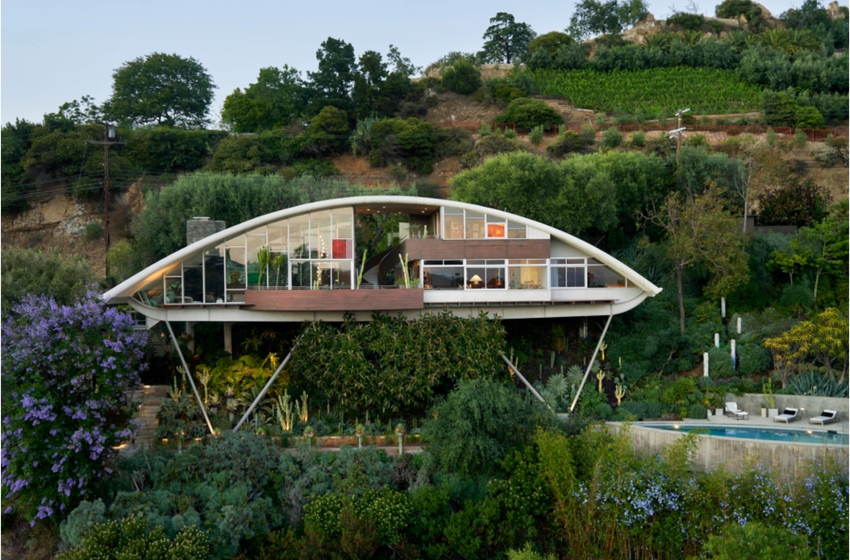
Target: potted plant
(767,388)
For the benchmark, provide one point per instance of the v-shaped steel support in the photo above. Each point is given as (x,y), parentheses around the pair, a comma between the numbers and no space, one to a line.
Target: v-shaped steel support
(590,363)
(189,375)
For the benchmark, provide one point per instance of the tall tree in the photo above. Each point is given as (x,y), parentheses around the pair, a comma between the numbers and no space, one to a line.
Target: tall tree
(333,81)
(506,39)
(593,17)
(278,97)
(700,230)
(161,89)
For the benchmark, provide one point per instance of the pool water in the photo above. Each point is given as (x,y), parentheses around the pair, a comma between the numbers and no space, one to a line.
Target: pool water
(765,434)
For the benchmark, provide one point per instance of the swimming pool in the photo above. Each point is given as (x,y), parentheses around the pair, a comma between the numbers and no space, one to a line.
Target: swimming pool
(764,434)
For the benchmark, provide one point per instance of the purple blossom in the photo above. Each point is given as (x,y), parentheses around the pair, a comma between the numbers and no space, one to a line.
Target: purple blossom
(69,367)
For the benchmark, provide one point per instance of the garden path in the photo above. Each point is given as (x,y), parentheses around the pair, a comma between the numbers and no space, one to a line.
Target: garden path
(149,396)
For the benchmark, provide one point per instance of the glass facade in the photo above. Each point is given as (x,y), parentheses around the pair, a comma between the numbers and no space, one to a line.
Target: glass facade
(316,252)
(312,251)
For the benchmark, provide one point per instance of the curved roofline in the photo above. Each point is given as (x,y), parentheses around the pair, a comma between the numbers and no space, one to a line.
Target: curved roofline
(137,281)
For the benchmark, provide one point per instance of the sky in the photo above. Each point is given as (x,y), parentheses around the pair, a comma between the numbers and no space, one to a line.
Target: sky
(52,52)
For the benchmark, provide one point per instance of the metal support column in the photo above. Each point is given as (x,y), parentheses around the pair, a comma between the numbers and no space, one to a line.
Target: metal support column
(189,375)
(524,380)
(263,392)
(590,363)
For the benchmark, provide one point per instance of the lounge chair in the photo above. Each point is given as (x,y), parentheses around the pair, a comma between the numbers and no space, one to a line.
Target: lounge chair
(825,417)
(733,410)
(788,415)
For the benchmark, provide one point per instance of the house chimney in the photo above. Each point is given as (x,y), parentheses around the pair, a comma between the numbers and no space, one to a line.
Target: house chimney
(200,227)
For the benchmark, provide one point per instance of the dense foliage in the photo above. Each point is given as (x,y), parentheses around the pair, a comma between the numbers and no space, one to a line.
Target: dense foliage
(34,272)
(65,373)
(161,228)
(479,422)
(579,496)
(391,364)
(650,91)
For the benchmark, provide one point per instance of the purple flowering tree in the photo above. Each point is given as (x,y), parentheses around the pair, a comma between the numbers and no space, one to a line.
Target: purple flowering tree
(65,372)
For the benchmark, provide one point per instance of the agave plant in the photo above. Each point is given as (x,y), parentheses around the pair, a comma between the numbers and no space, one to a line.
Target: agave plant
(818,385)
(575,375)
(558,384)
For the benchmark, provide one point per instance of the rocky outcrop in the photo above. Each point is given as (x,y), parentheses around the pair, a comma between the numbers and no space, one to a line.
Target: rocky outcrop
(644,28)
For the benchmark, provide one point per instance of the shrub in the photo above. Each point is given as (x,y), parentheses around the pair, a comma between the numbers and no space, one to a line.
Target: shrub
(93,231)
(604,411)
(799,138)
(587,134)
(528,113)
(638,139)
(612,138)
(825,156)
(510,134)
(753,359)
(697,412)
(797,298)
(479,422)
(685,20)
(770,137)
(760,540)
(59,431)
(720,362)
(409,141)
(567,142)
(697,140)
(83,518)
(133,537)
(461,77)
(35,272)
(536,135)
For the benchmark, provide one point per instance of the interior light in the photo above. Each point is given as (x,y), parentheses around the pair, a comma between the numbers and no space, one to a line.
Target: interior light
(676,426)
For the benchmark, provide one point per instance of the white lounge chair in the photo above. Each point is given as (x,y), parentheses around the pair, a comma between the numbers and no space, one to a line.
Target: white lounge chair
(788,415)
(825,417)
(733,410)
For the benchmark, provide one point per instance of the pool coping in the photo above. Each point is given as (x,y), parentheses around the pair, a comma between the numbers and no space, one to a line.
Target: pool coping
(652,425)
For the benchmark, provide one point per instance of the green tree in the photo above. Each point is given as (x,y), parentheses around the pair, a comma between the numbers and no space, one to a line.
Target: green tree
(550,42)
(334,79)
(32,271)
(505,39)
(479,422)
(15,141)
(161,89)
(526,112)
(274,101)
(700,231)
(593,17)
(827,242)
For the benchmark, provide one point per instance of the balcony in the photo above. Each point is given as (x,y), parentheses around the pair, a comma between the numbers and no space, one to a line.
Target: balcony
(335,300)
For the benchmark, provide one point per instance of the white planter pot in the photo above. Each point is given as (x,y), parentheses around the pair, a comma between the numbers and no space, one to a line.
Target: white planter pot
(772,412)
(764,413)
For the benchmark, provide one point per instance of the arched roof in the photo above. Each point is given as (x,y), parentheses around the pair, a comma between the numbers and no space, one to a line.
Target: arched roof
(146,276)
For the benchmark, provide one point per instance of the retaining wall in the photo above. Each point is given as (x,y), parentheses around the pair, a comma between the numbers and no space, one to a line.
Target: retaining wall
(752,403)
(788,460)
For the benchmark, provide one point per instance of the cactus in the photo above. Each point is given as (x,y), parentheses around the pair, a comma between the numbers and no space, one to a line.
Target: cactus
(174,392)
(602,348)
(600,375)
(552,360)
(204,378)
(619,392)
(285,412)
(301,407)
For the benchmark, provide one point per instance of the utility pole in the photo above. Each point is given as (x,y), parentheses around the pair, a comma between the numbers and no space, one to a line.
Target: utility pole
(679,114)
(109,141)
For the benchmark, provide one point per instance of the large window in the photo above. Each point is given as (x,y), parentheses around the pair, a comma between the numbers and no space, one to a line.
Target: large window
(567,273)
(600,276)
(527,274)
(469,224)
